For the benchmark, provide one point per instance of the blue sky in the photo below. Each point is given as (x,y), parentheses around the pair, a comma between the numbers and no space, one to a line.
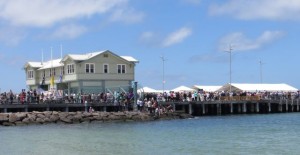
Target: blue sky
(192,35)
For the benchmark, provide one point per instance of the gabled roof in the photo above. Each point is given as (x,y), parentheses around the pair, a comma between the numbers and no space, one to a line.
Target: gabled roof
(258,87)
(130,59)
(76,57)
(52,64)
(82,57)
(34,64)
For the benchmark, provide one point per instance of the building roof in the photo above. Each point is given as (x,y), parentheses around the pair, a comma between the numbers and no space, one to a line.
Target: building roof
(52,64)
(129,58)
(258,87)
(76,57)
(34,64)
(82,57)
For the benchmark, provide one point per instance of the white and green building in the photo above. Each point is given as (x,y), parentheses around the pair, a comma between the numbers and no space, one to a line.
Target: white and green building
(86,73)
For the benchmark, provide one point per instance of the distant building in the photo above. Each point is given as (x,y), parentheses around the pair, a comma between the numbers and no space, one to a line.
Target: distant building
(86,73)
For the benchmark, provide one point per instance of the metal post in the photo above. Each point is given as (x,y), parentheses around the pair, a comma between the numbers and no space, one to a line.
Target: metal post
(163,61)
(230,51)
(190,108)
(135,96)
(257,107)
(244,108)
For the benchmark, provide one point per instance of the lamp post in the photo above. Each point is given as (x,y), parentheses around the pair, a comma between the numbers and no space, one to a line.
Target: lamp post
(163,83)
(230,51)
(260,68)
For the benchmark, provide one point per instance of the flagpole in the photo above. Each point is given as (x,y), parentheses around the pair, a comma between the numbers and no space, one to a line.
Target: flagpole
(61,51)
(52,77)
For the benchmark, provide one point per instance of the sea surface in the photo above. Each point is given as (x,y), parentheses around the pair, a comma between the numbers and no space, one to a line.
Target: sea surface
(261,134)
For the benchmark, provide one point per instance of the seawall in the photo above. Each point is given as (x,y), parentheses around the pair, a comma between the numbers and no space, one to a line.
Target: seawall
(35,117)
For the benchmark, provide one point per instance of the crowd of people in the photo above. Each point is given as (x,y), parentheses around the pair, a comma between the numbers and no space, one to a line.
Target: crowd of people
(214,96)
(124,100)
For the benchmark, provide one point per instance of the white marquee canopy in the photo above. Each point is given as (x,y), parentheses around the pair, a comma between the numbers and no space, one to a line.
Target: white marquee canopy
(182,88)
(258,87)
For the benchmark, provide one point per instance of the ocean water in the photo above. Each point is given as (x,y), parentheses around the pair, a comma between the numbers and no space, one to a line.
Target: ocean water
(222,135)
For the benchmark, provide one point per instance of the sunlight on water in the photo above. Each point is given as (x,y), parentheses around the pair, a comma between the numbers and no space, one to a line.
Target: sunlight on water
(239,134)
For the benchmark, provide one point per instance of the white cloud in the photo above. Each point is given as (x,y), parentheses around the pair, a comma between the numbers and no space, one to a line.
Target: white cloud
(259,9)
(43,13)
(69,31)
(241,43)
(177,36)
(11,36)
(127,15)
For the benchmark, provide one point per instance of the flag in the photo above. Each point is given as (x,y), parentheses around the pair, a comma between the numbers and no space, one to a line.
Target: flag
(52,81)
(60,78)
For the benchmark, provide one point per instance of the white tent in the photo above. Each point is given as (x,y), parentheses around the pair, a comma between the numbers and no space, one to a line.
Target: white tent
(258,87)
(207,88)
(182,88)
(147,90)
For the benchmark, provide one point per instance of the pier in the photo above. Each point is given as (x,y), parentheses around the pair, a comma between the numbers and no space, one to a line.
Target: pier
(196,108)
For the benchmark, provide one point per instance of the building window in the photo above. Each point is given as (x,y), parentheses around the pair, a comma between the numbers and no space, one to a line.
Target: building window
(62,70)
(43,73)
(71,69)
(50,72)
(89,68)
(105,68)
(30,74)
(121,69)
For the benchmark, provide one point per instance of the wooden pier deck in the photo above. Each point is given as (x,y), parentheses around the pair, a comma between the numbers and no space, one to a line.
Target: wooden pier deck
(196,108)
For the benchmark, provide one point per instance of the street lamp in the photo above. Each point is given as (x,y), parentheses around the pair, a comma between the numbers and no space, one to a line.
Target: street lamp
(260,68)
(163,61)
(230,51)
